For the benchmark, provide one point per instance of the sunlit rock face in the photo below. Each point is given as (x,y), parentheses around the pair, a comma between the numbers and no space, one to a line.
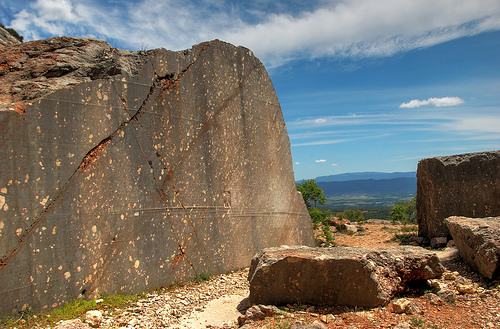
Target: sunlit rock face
(125,171)
(458,185)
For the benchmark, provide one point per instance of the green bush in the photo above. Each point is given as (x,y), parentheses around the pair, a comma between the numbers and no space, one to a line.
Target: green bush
(352,215)
(404,211)
(320,218)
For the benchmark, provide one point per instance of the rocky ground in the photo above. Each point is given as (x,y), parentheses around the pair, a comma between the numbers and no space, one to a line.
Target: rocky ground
(465,300)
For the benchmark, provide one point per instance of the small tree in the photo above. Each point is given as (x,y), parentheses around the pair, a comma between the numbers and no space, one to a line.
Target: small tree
(404,211)
(311,192)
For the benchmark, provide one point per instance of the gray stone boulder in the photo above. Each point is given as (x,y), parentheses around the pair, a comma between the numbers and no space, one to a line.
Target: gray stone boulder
(338,276)
(478,240)
(126,171)
(458,185)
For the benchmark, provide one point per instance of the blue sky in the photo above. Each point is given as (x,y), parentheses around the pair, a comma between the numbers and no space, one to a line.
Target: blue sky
(364,85)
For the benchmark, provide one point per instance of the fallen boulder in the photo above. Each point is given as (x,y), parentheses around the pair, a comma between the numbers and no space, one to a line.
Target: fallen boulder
(478,240)
(338,276)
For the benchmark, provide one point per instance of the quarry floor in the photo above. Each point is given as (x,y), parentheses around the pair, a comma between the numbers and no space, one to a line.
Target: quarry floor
(214,303)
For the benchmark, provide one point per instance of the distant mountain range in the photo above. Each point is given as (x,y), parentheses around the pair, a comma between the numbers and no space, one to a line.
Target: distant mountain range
(373,183)
(365,175)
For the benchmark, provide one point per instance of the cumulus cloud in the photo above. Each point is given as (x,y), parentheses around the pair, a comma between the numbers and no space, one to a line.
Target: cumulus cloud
(343,28)
(49,16)
(438,102)
(320,161)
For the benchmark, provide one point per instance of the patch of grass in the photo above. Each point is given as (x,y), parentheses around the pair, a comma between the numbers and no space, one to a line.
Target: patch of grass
(409,228)
(72,310)
(417,322)
(404,238)
(203,276)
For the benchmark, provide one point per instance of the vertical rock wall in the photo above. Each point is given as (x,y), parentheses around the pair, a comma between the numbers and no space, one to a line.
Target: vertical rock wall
(459,185)
(127,171)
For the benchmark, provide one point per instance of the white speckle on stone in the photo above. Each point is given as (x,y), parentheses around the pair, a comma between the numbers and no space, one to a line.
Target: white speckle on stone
(44,201)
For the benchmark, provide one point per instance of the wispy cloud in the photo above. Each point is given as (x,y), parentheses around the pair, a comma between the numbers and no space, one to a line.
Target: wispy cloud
(439,102)
(320,161)
(464,124)
(343,28)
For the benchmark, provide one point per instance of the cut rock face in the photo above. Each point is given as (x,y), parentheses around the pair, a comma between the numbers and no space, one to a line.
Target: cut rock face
(458,185)
(125,171)
(338,276)
(478,240)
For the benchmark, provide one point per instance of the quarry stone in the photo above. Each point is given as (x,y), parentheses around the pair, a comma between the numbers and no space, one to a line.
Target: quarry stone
(458,185)
(478,240)
(125,171)
(337,276)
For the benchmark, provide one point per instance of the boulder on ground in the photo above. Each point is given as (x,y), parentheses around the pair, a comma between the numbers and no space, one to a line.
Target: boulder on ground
(456,185)
(478,240)
(338,276)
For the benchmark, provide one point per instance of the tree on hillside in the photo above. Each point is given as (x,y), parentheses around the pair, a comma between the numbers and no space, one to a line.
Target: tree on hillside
(311,192)
(404,211)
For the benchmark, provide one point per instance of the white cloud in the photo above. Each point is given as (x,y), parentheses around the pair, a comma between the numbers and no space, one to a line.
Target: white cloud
(366,28)
(334,164)
(49,16)
(297,163)
(344,28)
(320,161)
(439,102)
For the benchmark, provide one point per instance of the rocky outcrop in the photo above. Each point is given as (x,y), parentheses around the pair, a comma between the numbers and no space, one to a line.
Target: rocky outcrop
(337,276)
(7,39)
(124,171)
(478,240)
(459,185)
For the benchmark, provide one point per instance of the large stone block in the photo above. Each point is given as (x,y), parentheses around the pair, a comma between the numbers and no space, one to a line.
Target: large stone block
(459,185)
(338,276)
(124,171)
(478,240)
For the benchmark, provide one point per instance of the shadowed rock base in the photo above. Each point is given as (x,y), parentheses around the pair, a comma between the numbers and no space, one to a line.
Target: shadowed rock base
(478,240)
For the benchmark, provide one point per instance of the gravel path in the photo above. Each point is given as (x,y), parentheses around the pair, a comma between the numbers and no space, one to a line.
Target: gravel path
(211,304)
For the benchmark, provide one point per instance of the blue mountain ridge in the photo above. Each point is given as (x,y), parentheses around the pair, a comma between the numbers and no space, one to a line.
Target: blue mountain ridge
(365,175)
(372,183)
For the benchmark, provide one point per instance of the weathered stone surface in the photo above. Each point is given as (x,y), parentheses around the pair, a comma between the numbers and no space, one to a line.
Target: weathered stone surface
(459,185)
(124,171)
(72,324)
(478,240)
(93,318)
(337,276)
